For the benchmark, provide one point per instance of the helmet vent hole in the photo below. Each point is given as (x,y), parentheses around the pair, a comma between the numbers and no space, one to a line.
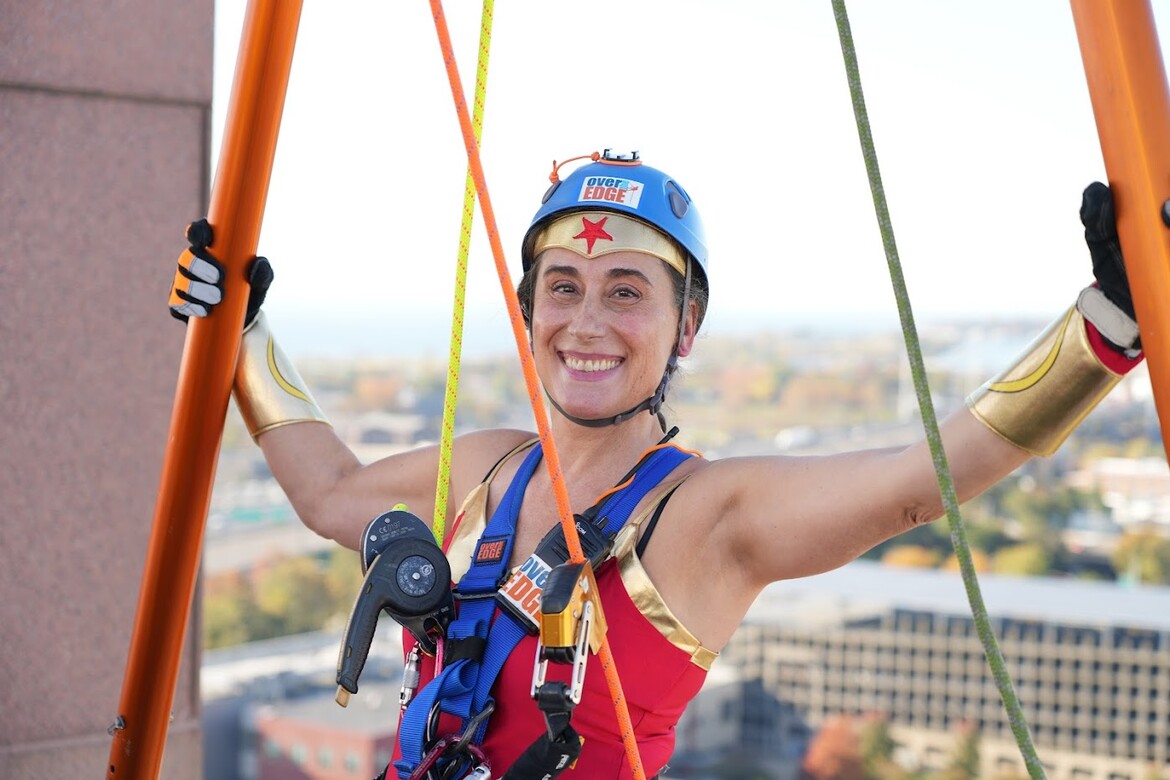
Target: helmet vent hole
(549,192)
(678,203)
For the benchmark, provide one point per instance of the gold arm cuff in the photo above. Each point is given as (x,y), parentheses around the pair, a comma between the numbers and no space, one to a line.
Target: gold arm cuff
(268,390)
(1054,385)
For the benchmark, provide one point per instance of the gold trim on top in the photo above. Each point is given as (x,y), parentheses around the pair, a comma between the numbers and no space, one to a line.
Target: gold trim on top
(471,519)
(647,598)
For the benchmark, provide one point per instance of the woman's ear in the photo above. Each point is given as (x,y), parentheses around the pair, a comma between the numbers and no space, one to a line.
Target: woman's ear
(687,342)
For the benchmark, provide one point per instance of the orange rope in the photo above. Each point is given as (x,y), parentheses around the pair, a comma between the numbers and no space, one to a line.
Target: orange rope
(555,176)
(518,330)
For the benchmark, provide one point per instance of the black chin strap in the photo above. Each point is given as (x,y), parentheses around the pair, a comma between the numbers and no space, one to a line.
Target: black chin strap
(653,404)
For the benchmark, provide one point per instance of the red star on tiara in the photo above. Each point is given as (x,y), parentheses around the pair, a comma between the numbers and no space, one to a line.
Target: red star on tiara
(593,231)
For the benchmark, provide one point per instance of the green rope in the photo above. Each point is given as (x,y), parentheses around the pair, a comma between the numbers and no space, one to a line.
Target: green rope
(456,349)
(995,658)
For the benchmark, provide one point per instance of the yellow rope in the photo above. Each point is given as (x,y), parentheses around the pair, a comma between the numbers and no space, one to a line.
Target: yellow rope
(449,399)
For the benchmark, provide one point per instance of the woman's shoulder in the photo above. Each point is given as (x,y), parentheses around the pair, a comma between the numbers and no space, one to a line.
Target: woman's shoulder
(480,450)
(722,483)
(494,438)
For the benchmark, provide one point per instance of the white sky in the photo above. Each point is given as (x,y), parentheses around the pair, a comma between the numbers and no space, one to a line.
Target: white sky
(980,115)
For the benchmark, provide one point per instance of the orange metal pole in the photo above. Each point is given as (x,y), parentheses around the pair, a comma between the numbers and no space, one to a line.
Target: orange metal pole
(236,210)
(1131,102)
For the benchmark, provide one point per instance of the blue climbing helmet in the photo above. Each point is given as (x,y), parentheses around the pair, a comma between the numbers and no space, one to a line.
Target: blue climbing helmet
(622,183)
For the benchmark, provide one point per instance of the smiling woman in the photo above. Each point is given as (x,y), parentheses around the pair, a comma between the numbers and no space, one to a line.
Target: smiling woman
(675,547)
(659,551)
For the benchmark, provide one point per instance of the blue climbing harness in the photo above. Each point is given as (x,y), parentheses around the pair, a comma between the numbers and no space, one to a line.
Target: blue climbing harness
(477,646)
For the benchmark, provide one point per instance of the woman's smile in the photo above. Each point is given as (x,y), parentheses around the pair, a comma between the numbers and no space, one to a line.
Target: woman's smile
(589,367)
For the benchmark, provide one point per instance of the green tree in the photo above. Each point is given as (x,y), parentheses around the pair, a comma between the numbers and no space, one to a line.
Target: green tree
(343,579)
(964,763)
(986,535)
(225,619)
(1026,509)
(980,560)
(1144,555)
(231,615)
(934,537)
(911,556)
(877,751)
(284,596)
(1028,560)
(295,593)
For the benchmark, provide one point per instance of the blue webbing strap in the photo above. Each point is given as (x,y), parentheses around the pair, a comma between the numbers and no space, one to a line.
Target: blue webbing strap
(617,507)
(506,633)
(463,688)
(452,687)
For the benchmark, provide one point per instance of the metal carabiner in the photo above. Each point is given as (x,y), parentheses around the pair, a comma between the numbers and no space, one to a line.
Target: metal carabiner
(410,677)
(471,762)
(580,656)
(473,724)
(450,747)
(432,756)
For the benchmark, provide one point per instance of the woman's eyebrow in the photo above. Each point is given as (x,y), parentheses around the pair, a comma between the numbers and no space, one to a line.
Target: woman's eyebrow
(614,273)
(617,273)
(564,270)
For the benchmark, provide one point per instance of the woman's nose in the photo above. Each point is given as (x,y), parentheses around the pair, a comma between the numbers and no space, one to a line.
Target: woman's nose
(588,318)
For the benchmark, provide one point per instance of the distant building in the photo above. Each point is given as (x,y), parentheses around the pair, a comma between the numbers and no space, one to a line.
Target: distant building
(1136,490)
(313,738)
(1090,663)
(269,709)
(737,717)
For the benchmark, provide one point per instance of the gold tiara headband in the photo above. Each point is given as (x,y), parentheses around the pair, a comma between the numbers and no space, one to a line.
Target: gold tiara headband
(596,233)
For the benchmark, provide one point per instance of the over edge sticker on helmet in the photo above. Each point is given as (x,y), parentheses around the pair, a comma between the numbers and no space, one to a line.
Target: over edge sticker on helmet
(610,189)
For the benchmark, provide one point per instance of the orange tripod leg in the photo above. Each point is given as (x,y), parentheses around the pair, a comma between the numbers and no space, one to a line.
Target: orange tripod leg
(238,197)
(1127,84)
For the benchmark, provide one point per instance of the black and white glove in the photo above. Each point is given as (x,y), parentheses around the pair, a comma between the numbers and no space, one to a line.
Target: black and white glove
(1109,304)
(198,284)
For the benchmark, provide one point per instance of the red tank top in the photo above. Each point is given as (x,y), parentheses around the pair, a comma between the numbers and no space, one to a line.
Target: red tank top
(661,664)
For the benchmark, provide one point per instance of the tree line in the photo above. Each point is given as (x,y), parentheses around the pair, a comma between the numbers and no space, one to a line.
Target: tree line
(1017,528)
(282,596)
